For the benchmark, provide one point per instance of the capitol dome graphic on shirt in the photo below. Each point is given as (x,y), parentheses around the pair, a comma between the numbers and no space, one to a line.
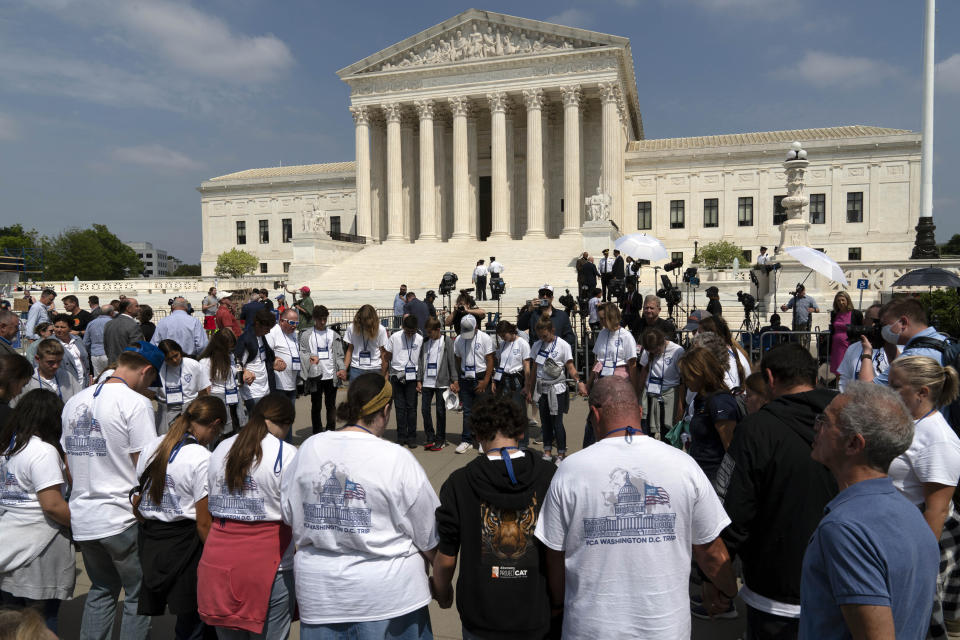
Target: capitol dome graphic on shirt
(341,507)
(636,512)
(11,493)
(86,436)
(169,502)
(246,505)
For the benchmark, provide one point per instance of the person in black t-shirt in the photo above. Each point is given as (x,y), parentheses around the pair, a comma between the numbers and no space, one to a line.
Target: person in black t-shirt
(714,307)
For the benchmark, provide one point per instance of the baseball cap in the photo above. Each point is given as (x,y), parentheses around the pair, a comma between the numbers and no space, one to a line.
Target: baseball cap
(281,297)
(693,321)
(304,289)
(468,327)
(546,288)
(151,352)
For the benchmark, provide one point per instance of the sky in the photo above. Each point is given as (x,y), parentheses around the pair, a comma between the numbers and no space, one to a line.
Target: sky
(114,111)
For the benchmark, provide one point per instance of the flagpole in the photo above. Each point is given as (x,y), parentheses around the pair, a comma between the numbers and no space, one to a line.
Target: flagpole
(925,246)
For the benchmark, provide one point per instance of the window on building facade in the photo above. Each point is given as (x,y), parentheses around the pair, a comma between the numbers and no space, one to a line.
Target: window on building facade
(241,232)
(149,255)
(335,224)
(676,214)
(853,253)
(779,213)
(140,255)
(287,229)
(644,216)
(676,255)
(286,267)
(818,208)
(855,206)
(264,232)
(263,267)
(747,256)
(711,212)
(744,212)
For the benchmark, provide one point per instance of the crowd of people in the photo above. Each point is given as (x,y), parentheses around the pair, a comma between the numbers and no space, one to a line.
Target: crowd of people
(704,477)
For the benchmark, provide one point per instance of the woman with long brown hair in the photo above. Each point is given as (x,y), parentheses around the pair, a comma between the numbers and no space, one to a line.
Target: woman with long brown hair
(175,518)
(221,367)
(245,577)
(364,341)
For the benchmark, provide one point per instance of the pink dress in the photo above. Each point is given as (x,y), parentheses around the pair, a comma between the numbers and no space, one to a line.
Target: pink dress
(840,341)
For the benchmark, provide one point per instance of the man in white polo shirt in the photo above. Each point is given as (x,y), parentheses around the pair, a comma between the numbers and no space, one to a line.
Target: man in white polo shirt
(105,427)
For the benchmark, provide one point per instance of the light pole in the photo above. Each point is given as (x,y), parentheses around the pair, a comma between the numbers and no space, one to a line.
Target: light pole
(925,246)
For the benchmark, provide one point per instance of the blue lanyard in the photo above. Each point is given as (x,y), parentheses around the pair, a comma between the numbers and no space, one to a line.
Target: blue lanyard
(508,462)
(326,342)
(436,351)
(553,348)
(57,382)
(629,432)
(932,411)
(409,347)
(360,426)
(294,351)
(97,392)
(13,441)
(278,463)
(616,348)
(187,437)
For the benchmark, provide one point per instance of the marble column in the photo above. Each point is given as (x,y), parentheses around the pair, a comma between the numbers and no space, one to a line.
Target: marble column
(612,146)
(572,193)
(408,150)
(500,193)
(460,109)
(428,200)
(441,200)
(378,187)
(392,112)
(361,118)
(536,194)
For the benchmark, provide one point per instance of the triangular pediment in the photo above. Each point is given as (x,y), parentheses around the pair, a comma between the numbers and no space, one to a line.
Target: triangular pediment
(476,35)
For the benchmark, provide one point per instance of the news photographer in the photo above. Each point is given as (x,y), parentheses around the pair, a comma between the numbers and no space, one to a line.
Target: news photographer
(544,309)
(802,305)
(465,306)
(849,368)
(902,322)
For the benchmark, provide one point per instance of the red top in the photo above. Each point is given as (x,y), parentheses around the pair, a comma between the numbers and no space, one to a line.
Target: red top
(225,319)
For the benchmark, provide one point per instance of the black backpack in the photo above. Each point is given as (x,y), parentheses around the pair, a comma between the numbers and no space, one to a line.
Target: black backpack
(949,355)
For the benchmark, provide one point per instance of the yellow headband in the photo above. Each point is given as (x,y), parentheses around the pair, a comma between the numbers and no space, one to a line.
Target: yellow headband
(378,401)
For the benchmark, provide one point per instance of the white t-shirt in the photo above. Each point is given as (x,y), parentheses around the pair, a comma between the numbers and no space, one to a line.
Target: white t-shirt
(473,353)
(362,345)
(219,387)
(185,486)
(285,347)
(731,377)
(933,456)
(851,364)
(361,509)
(191,376)
(72,351)
(102,426)
(615,348)
(558,351)
(663,373)
(479,272)
(405,352)
(626,514)
(592,305)
(511,355)
(258,367)
(32,469)
(260,499)
(320,345)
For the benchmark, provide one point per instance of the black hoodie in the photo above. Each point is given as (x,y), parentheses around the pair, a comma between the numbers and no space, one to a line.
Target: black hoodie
(775,493)
(502,587)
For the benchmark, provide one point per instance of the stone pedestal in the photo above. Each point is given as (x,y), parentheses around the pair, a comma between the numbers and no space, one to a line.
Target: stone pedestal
(313,253)
(598,235)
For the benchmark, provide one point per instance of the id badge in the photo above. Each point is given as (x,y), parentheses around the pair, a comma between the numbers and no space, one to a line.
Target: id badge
(232,397)
(174,397)
(607,370)
(541,357)
(655,386)
(497,374)
(296,364)
(431,371)
(364,358)
(323,353)
(410,372)
(470,371)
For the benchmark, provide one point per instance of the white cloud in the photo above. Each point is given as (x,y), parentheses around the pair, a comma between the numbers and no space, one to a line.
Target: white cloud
(156,156)
(8,128)
(948,74)
(572,17)
(823,70)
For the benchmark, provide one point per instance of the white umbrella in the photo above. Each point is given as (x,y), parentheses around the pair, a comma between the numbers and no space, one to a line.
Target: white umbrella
(819,262)
(640,246)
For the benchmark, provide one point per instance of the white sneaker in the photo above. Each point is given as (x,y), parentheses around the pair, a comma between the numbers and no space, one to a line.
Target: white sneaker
(463,447)
(548,457)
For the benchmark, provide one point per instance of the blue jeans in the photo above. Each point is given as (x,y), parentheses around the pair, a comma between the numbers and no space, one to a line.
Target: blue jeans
(356,373)
(410,626)
(112,563)
(279,616)
(468,395)
(429,393)
(292,397)
(405,403)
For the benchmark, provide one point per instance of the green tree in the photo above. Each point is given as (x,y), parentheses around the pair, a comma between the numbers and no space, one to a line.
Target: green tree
(943,309)
(235,263)
(951,247)
(122,261)
(187,270)
(719,255)
(90,254)
(16,237)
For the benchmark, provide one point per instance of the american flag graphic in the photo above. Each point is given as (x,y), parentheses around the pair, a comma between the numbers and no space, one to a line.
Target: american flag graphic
(353,491)
(655,495)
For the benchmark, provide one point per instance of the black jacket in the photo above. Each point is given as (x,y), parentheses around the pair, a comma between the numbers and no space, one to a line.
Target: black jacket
(587,275)
(775,493)
(618,267)
(490,523)
(248,344)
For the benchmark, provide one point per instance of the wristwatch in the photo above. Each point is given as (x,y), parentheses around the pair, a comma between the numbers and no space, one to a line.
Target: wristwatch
(866,356)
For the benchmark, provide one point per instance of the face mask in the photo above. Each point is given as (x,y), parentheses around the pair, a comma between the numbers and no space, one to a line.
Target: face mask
(888,335)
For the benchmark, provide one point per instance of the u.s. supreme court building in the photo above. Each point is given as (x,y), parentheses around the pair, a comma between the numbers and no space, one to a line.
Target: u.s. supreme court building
(494,128)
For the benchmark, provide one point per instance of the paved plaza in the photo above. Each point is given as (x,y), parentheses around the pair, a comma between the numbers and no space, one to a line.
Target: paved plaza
(438,465)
